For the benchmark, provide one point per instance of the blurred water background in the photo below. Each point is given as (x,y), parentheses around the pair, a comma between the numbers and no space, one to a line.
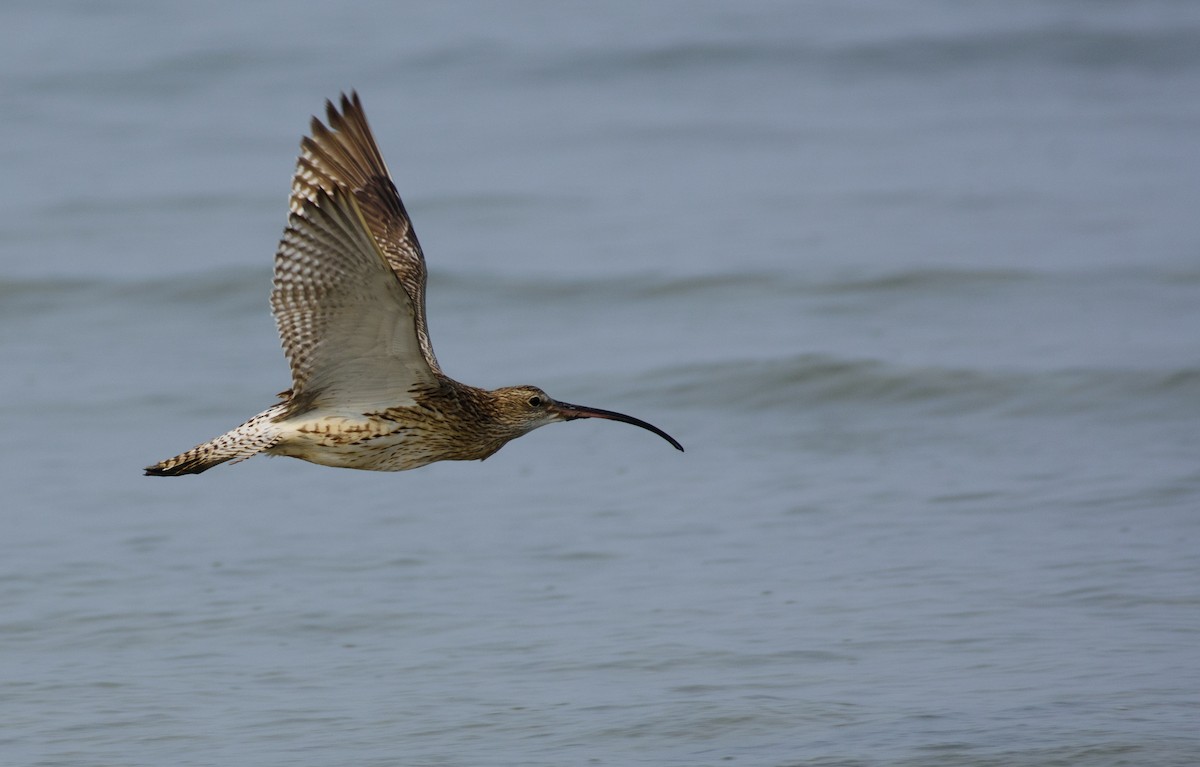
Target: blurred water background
(917,285)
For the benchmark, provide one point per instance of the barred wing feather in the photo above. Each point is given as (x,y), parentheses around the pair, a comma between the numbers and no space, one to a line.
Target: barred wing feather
(347,324)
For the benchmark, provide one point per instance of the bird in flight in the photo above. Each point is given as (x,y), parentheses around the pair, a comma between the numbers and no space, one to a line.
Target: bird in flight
(349,301)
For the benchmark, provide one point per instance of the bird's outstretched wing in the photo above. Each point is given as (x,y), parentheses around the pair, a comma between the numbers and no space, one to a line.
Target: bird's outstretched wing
(348,325)
(344,155)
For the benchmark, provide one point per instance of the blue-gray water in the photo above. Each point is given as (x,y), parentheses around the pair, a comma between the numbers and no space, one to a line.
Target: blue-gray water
(917,285)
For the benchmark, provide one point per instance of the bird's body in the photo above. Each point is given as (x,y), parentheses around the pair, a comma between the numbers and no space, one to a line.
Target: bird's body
(349,301)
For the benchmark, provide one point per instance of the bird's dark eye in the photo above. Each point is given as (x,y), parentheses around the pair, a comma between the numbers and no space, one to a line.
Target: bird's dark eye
(535,401)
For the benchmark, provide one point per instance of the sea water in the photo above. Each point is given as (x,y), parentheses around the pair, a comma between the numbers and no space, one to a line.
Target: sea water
(916,285)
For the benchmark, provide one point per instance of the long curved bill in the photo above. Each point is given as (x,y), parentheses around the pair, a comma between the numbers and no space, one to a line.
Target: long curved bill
(570,412)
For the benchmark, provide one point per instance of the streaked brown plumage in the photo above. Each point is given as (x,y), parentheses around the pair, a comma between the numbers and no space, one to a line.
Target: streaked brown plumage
(349,301)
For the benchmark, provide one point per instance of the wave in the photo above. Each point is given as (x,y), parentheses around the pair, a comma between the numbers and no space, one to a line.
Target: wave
(252,283)
(1040,47)
(1146,49)
(654,286)
(812,380)
(230,290)
(731,286)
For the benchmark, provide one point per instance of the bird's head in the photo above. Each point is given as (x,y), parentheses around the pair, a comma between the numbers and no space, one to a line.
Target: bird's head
(525,408)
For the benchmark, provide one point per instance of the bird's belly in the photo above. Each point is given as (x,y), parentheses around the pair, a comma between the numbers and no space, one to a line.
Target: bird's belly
(354,443)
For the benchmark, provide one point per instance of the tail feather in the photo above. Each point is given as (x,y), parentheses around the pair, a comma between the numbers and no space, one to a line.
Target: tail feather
(254,436)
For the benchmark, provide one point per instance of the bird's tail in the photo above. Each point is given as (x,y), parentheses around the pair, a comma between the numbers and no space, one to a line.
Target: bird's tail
(254,436)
